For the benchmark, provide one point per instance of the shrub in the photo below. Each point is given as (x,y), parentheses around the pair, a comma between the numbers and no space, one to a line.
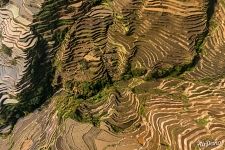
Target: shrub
(138,72)
(6,50)
(202,121)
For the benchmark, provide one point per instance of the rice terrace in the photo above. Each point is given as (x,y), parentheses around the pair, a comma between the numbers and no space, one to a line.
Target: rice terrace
(112,74)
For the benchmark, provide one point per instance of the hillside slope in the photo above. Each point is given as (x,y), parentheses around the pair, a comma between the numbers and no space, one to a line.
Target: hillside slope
(112,74)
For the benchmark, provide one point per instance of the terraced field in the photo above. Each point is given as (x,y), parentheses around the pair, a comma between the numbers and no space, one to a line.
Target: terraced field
(112,74)
(16,37)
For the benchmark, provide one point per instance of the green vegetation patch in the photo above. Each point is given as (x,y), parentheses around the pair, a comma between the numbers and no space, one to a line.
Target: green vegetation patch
(6,50)
(86,89)
(59,36)
(83,64)
(222,2)
(213,24)
(116,129)
(2,121)
(66,105)
(202,121)
(87,118)
(13,62)
(142,90)
(206,80)
(70,106)
(165,146)
(138,72)
(102,95)
(180,97)
(133,73)
(142,108)
(171,71)
(209,80)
